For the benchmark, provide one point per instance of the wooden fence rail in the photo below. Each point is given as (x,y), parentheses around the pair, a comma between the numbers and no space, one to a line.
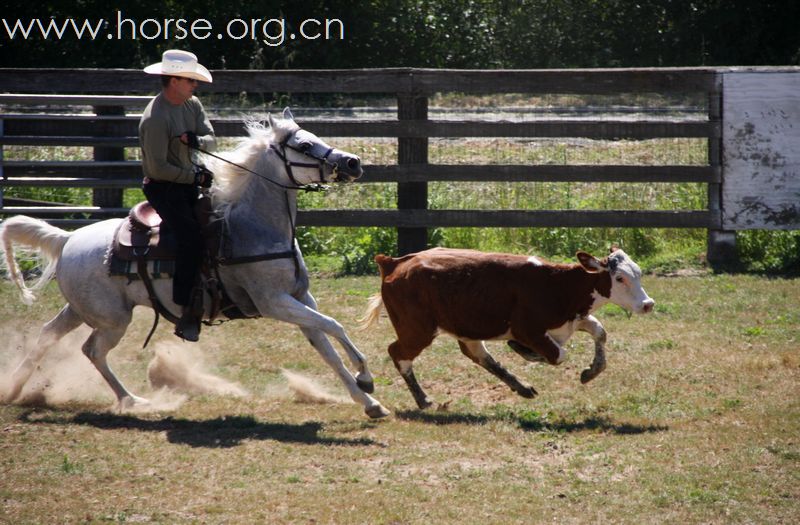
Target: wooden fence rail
(115,96)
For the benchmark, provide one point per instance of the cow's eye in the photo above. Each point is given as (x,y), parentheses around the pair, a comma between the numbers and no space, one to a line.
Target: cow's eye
(620,279)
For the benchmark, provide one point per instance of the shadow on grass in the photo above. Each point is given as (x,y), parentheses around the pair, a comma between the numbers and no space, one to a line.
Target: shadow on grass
(530,421)
(222,432)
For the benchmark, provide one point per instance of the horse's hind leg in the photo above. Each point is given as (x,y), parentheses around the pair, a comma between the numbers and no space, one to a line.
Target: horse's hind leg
(96,348)
(63,323)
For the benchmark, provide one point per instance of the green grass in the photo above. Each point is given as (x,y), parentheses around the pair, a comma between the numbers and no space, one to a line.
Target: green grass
(695,420)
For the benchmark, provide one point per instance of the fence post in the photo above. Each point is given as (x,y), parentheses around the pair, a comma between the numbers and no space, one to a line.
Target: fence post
(412,195)
(721,251)
(108,197)
(2,173)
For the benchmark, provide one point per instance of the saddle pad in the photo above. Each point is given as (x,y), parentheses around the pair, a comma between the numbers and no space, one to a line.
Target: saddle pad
(158,269)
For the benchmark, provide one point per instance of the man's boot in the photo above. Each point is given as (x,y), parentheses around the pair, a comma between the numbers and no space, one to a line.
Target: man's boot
(188,326)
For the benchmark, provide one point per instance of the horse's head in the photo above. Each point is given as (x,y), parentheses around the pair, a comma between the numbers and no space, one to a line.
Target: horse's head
(308,159)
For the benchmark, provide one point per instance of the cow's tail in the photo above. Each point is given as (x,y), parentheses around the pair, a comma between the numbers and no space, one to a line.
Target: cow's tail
(36,234)
(386,266)
(372,314)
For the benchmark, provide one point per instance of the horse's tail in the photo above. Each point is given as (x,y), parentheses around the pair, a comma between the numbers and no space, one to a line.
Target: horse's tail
(37,234)
(372,314)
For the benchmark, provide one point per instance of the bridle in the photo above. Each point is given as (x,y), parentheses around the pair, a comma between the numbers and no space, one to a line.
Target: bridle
(308,149)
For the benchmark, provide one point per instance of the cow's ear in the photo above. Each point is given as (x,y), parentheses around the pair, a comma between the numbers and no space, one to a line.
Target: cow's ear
(614,247)
(590,263)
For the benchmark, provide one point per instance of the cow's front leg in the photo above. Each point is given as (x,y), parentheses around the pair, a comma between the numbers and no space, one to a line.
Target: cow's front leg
(593,327)
(525,352)
(544,345)
(476,350)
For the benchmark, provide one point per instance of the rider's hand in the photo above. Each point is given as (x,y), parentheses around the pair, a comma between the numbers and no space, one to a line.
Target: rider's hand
(203,177)
(190,139)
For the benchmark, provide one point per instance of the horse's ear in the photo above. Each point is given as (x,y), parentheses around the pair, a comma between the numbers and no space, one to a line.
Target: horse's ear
(270,121)
(287,114)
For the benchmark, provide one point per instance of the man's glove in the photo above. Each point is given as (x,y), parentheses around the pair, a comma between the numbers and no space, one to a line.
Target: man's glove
(191,139)
(203,177)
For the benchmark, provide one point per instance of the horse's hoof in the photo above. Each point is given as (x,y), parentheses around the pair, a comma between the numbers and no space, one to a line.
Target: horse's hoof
(528,392)
(6,398)
(132,402)
(366,386)
(377,411)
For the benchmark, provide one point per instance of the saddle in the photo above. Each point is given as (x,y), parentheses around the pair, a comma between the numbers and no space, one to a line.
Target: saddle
(141,235)
(140,240)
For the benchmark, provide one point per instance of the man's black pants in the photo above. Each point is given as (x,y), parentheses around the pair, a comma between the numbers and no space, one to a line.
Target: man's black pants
(175,204)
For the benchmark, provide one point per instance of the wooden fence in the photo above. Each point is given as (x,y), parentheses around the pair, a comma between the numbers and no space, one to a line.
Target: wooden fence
(115,96)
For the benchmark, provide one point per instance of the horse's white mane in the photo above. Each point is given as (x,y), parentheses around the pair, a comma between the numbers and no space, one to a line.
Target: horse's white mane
(250,152)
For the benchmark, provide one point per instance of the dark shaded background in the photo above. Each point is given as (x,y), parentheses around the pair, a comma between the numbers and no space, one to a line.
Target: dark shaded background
(436,33)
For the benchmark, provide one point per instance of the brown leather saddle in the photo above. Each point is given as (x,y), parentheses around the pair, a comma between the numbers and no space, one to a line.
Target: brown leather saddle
(140,235)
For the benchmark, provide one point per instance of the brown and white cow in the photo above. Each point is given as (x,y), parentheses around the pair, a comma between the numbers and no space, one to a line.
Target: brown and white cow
(474,296)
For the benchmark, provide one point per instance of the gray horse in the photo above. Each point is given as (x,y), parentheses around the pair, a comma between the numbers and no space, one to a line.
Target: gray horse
(256,192)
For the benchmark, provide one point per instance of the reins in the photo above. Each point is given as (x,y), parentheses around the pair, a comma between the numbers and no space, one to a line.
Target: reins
(287,163)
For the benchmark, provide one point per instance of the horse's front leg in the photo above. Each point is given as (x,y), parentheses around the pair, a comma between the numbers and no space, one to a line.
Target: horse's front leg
(314,326)
(335,330)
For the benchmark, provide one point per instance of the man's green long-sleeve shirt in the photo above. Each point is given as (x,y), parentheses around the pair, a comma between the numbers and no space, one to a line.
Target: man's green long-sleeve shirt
(164,156)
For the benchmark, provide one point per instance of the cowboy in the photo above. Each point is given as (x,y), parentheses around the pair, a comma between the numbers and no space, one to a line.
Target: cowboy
(173,124)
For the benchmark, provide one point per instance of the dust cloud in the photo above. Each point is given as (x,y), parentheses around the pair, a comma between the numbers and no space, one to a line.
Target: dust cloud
(63,375)
(182,369)
(176,372)
(307,390)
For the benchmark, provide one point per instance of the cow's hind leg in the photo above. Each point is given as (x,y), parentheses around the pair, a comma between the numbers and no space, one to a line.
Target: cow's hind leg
(476,350)
(403,354)
(63,323)
(593,327)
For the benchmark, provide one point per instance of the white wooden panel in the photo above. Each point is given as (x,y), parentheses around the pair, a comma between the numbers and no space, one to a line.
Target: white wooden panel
(761,150)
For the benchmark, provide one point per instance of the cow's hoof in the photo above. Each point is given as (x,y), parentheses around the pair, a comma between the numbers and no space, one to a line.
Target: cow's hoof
(589,374)
(424,403)
(528,392)
(377,411)
(366,386)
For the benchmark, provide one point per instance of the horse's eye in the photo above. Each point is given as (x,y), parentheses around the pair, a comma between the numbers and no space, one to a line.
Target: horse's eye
(304,146)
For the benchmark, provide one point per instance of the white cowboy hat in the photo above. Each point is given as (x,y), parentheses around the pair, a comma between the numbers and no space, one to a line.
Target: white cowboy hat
(177,63)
